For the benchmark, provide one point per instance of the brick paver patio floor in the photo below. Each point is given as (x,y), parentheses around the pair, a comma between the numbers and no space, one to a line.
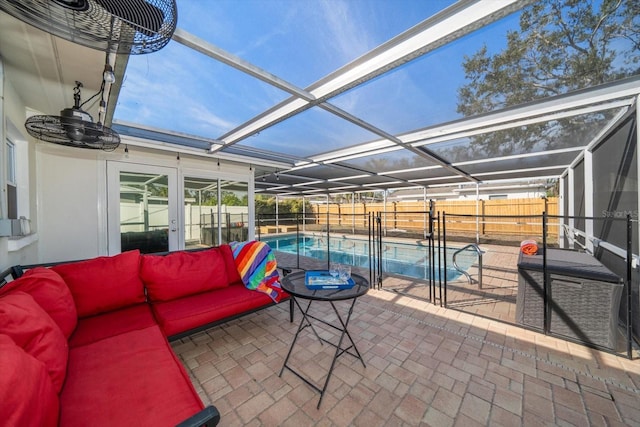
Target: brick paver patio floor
(426,365)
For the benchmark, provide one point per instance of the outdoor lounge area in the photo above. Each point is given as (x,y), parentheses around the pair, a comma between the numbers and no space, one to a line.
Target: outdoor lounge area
(425,365)
(472,163)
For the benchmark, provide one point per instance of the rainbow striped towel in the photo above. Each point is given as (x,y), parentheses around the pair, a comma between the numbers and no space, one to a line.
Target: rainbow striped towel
(257,267)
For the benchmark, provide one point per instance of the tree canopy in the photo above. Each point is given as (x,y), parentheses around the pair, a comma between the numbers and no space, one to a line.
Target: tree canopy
(561,46)
(266,205)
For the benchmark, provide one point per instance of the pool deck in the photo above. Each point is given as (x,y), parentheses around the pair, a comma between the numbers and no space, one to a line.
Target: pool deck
(425,365)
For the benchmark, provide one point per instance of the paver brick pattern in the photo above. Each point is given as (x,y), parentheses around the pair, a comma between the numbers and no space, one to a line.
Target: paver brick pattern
(426,365)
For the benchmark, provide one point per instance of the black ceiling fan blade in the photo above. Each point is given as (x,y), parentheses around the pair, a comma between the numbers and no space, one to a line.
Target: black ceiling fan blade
(118,26)
(140,14)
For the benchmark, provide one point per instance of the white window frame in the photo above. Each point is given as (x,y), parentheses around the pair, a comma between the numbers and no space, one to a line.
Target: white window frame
(11,162)
(20,172)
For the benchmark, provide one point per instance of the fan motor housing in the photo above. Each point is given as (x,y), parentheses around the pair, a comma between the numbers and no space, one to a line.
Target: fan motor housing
(76,113)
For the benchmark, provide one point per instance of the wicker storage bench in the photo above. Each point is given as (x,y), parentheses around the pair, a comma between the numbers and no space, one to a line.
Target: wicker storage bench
(584,296)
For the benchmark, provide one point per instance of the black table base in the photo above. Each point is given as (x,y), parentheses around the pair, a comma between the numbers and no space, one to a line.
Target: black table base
(342,328)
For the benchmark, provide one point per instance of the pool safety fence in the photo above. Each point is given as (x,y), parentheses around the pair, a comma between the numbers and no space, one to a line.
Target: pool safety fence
(611,240)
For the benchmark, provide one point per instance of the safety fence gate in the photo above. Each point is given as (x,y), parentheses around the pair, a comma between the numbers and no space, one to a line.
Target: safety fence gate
(405,245)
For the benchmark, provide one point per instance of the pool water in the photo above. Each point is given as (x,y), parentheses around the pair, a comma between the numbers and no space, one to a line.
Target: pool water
(404,259)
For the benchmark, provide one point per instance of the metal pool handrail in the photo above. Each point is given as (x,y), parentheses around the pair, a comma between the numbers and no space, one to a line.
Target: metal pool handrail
(479,252)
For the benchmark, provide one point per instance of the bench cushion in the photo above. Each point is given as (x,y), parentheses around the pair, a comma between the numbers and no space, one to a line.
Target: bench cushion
(51,293)
(198,310)
(106,325)
(103,284)
(22,319)
(130,379)
(27,396)
(178,274)
(230,264)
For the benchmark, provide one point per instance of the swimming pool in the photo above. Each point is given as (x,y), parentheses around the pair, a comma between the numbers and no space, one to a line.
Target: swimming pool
(406,259)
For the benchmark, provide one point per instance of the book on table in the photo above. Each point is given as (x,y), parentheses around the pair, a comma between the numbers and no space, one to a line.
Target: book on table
(323,280)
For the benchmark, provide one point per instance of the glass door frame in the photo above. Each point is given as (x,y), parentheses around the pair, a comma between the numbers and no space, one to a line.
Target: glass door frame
(219,176)
(114,168)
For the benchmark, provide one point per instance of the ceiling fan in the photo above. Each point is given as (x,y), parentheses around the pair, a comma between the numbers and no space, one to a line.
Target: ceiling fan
(74,127)
(115,26)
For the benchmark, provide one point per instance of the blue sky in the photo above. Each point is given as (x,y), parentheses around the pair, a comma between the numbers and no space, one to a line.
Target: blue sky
(299,41)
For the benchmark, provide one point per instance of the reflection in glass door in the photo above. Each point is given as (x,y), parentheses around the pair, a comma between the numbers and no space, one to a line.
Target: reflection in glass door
(146,216)
(216,211)
(200,212)
(234,211)
(144,212)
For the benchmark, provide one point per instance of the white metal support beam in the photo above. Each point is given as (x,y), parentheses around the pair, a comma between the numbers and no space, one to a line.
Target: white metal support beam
(561,210)
(452,23)
(605,97)
(477,213)
(200,45)
(588,197)
(571,204)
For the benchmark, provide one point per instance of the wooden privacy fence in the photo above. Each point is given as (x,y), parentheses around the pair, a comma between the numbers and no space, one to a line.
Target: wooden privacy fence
(516,217)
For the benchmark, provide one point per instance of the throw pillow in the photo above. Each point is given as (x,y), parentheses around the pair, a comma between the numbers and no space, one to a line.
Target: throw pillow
(182,273)
(105,283)
(51,292)
(32,329)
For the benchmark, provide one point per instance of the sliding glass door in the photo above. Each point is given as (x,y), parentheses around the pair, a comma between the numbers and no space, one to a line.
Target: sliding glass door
(215,211)
(159,209)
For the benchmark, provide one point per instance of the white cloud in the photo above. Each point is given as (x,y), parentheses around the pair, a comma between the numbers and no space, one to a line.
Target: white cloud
(349,34)
(208,121)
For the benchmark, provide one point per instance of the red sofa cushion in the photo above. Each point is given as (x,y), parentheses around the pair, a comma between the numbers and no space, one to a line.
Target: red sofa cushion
(190,312)
(51,292)
(106,325)
(179,274)
(130,379)
(32,329)
(233,275)
(27,397)
(103,284)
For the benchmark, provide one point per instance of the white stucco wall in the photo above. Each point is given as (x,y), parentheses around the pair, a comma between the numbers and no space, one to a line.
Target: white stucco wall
(69,191)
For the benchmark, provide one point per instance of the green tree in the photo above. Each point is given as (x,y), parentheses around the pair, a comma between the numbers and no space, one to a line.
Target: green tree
(203,197)
(229,198)
(562,45)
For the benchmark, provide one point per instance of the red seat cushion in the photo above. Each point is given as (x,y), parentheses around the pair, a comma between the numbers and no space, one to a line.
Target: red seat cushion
(27,396)
(130,379)
(51,292)
(101,326)
(32,329)
(179,274)
(103,284)
(197,310)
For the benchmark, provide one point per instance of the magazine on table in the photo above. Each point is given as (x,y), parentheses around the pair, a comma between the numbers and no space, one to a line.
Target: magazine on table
(323,280)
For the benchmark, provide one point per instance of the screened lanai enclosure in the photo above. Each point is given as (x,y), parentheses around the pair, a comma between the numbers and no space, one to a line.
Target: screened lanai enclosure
(331,125)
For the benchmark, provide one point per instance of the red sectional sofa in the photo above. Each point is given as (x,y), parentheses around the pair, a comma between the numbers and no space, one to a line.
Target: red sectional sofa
(85,343)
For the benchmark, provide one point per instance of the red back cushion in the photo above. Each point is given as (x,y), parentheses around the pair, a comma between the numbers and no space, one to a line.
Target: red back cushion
(232,270)
(26,394)
(51,292)
(32,329)
(183,273)
(103,284)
